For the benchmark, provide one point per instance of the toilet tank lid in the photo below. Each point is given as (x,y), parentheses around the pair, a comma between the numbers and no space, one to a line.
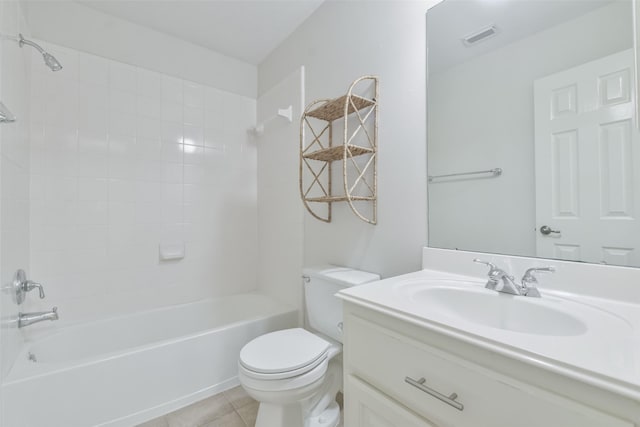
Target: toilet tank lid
(343,275)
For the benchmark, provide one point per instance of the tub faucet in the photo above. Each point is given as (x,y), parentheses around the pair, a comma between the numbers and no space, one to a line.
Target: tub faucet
(498,275)
(26,319)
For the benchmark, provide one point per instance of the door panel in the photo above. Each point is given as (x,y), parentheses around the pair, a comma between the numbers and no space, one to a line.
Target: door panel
(588,163)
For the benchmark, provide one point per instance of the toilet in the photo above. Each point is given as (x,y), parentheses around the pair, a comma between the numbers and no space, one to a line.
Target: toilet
(295,374)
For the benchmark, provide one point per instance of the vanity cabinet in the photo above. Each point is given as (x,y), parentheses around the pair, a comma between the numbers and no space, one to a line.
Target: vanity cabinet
(391,365)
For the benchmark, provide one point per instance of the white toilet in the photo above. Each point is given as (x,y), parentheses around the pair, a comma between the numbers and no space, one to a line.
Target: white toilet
(293,373)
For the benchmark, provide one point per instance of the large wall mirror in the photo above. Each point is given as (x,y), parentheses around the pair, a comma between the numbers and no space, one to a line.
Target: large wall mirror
(533,147)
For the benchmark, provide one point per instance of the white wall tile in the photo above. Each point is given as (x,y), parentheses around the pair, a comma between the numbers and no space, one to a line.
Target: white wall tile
(92,165)
(193,135)
(92,96)
(171,193)
(122,101)
(92,189)
(122,77)
(172,112)
(91,213)
(172,152)
(148,192)
(92,138)
(194,174)
(171,213)
(148,149)
(149,107)
(93,69)
(172,173)
(172,89)
(213,138)
(193,116)
(122,123)
(149,84)
(193,155)
(126,168)
(193,94)
(149,128)
(172,132)
(122,190)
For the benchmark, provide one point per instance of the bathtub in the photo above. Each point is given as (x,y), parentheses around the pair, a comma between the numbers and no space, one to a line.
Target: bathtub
(129,369)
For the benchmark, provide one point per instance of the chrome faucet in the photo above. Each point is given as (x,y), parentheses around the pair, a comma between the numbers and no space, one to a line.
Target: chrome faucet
(509,286)
(498,275)
(26,319)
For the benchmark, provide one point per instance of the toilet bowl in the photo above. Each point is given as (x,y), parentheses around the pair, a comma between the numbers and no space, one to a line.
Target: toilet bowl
(291,374)
(295,374)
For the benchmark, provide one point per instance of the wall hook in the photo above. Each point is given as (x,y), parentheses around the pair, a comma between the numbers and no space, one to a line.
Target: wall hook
(285,113)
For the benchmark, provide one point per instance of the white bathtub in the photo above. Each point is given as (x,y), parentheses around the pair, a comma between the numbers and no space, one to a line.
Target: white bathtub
(129,369)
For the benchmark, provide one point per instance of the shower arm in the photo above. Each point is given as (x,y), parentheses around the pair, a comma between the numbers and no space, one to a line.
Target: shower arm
(49,60)
(22,41)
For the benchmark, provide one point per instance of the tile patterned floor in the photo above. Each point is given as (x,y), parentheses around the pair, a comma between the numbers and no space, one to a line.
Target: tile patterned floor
(231,408)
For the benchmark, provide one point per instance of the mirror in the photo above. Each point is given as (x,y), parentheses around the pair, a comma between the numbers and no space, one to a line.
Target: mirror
(532,139)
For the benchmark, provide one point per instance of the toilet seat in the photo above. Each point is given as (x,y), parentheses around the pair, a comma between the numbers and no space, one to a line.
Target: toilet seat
(315,375)
(283,354)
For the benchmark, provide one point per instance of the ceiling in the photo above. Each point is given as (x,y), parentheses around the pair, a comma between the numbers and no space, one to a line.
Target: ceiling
(452,20)
(244,29)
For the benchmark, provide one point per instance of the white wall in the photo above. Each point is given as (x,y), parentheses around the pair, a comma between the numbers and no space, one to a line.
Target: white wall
(493,95)
(124,159)
(73,25)
(338,43)
(280,213)
(14,178)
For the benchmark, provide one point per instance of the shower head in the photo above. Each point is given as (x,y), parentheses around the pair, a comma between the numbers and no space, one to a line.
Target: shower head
(51,62)
(49,59)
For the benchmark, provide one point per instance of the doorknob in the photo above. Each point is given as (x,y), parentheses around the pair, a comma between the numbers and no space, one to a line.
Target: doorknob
(546,230)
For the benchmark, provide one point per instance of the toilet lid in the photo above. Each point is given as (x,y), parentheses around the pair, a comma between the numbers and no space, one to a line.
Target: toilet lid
(283,351)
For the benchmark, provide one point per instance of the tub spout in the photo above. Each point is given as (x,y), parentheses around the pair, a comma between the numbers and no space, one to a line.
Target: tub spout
(26,319)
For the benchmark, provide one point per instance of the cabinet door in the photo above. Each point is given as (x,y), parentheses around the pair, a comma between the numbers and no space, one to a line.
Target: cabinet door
(367,407)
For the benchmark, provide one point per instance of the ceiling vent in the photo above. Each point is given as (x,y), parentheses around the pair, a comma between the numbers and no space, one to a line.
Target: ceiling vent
(480,35)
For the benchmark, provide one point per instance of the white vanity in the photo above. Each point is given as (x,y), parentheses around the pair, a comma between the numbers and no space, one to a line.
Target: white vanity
(435,348)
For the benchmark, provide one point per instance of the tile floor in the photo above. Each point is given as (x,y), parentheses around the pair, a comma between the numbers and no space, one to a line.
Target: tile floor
(231,408)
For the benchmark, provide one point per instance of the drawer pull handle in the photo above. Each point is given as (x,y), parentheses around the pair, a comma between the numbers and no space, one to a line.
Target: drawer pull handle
(449,400)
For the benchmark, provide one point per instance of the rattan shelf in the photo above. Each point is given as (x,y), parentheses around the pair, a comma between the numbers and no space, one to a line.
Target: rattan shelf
(332,154)
(357,152)
(331,199)
(334,109)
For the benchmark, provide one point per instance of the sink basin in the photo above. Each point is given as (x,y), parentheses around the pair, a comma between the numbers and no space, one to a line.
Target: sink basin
(474,304)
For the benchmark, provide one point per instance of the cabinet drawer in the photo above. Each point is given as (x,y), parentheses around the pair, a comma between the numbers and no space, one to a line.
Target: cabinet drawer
(386,358)
(367,407)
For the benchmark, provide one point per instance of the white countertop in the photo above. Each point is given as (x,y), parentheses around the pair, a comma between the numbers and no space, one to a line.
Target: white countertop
(607,354)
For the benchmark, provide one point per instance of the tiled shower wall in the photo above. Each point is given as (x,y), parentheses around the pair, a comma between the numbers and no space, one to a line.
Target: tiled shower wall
(14,179)
(123,160)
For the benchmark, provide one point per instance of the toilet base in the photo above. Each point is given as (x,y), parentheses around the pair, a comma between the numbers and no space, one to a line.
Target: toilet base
(270,415)
(330,417)
(311,406)
(279,415)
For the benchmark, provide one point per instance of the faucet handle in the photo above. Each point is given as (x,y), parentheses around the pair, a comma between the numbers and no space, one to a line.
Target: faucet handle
(529,277)
(479,261)
(30,285)
(491,266)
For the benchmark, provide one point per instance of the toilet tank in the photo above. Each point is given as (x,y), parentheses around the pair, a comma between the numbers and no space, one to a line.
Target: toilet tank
(324,309)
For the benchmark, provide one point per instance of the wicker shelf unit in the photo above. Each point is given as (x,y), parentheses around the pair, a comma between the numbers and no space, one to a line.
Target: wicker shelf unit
(357,151)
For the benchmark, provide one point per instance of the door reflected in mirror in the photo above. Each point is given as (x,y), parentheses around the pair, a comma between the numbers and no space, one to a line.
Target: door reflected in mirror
(543,91)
